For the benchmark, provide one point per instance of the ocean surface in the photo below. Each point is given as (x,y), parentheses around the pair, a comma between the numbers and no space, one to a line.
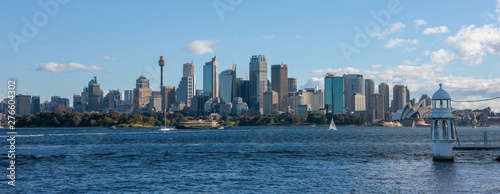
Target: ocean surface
(247,160)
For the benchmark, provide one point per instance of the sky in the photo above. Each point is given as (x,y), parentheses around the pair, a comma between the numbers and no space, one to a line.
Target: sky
(55,47)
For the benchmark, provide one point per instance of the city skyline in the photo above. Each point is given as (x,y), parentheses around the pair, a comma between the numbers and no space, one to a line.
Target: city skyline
(415,50)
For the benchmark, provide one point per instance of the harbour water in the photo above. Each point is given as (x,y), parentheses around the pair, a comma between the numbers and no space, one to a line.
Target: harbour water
(248,160)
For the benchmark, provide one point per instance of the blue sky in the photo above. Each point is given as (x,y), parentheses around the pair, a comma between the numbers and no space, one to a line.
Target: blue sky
(456,43)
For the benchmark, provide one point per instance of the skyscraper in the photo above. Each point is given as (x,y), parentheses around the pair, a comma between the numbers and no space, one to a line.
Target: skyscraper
(35,104)
(94,95)
(270,102)
(334,94)
(258,81)
(169,96)
(129,96)
(369,91)
(383,89)
(228,84)
(378,106)
(211,78)
(279,83)
(353,83)
(77,103)
(142,92)
(187,86)
(23,104)
(399,97)
(292,84)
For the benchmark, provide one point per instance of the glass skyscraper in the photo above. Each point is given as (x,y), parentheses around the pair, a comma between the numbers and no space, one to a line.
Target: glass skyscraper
(334,94)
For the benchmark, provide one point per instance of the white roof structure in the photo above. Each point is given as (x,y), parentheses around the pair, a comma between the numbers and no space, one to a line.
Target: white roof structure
(441,94)
(419,110)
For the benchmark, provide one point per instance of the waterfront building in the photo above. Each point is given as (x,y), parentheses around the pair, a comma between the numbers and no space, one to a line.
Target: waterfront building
(187,86)
(383,89)
(378,106)
(258,82)
(334,94)
(94,95)
(271,102)
(353,83)
(211,78)
(228,84)
(442,126)
(279,84)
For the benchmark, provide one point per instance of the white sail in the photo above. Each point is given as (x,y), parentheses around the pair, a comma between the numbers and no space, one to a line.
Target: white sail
(332,125)
(413,125)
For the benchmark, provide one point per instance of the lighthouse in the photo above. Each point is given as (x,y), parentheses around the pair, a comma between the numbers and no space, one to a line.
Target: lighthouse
(442,126)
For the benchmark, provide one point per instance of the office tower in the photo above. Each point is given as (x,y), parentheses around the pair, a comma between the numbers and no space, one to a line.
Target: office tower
(353,83)
(187,86)
(427,99)
(85,99)
(23,104)
(63,104)
(369,91)
(45,106)
(334,94)
(228,84)
(318,102)
(142,92)
(94,95)
(313,97)
(239,107)
(279,83)
(407,95)
(258,81)
(35,104)
(77,103)
(129,96)
(270,102)
(292,84)
(292,101)
(383,89)
(155,101)
(169,94)
(378,106)
(112,99)
(211,78)
(358,102)
(243,89)
(54,103)
(398,97)
(198,104)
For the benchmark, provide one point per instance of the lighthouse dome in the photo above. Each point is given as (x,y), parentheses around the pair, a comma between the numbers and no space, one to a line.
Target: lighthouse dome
(441,94)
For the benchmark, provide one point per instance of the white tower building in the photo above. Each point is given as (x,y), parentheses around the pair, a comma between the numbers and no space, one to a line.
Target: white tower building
(442,126)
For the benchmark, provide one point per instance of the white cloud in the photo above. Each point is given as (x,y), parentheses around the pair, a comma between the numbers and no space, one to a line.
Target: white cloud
(394,27)
(498,9)
(472,43)
(338,71)
(265,38)
(108,58)
(62,67)
(436,30)
(313,82)
(419,23)
(199,47)
(441,57)
(399,42)
(376,66)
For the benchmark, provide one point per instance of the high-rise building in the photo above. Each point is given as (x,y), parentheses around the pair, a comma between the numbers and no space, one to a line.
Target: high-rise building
(129,96)
(58,103)
(383,89)
(228,84)
(407,95)
(112,99)
(23,104)
(187,86)
(334,94)
(353,83)
(313,97)
(399,98)
(169,94)
(292,84)
(427,99)
(270,102)
(279,83)
(85,99)
(258,82)
(369,91)
(155,101)
(198,104)
(94,95)
(142,92)
(358,102)
(77,103)
(211,78)
(378,106)
(242,88)
(35,104)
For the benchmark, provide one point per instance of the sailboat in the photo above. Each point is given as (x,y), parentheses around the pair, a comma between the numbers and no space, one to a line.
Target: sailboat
(332,125)
(413,125)
(165,128)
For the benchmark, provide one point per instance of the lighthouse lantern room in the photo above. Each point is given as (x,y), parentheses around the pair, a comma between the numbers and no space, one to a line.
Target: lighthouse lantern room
(442,126)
